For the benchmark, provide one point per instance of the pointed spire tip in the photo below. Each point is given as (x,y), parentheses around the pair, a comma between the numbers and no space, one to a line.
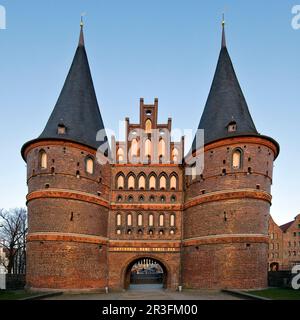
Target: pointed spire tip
(223,32)
(81,37)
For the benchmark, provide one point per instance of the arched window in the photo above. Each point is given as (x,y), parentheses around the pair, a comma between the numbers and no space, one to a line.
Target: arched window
(129,219)
(162,199)
(130,198)
(237,159)
(134,148)
(142,183)
(131,182)
(152,183)
(161,148)
(173,198)
(148,148)
(89,165)
(140,219)
(150,220)
(120,155)
(119,219)
(148,126)
(163,183)
(172,220)
(120,182)
(175,155)
(173,183)
(43,159)
(161,220)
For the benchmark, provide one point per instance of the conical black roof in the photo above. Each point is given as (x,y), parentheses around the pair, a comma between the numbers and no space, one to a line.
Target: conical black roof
(76,110)
(226,104)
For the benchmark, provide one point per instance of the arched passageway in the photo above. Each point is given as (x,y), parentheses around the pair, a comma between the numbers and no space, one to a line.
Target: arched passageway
(146,273)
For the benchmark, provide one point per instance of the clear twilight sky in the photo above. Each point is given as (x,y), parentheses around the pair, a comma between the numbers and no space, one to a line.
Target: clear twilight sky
(159,48)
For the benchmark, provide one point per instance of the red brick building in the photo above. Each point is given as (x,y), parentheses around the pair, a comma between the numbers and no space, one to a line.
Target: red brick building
(90,222)
(284,244)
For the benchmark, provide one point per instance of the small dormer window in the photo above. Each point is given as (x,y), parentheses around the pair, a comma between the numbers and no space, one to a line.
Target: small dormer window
(61,129)
(232,127)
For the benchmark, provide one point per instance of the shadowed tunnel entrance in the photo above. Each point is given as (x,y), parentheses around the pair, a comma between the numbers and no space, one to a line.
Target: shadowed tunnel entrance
(146,273)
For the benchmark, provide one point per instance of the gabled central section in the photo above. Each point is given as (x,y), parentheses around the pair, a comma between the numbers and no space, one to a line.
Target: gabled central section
(148,142)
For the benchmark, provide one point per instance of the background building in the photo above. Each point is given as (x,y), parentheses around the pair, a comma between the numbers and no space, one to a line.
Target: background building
(284,245)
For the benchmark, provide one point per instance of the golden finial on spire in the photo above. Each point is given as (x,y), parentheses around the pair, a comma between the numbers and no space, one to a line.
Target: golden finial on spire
(81,19)
(81,37)
(223,32)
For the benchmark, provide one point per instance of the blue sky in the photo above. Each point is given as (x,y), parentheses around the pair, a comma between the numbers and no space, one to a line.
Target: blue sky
(137,48)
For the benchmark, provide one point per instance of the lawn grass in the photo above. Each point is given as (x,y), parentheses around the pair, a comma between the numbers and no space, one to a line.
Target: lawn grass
(15,295)
(278,293)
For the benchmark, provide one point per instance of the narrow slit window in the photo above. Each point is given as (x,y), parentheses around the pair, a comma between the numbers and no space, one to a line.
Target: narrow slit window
(120,182)
(89,165)
(237,159)
(163,183)
(134,148)
(140,220)
(43,159)
(119,219)
(131,182)
(142,183)
(148,148)
(148,126)
(172,220)
(150,222)
(173,183)
(152,183)
(129,220)
(120,155)
(161,220)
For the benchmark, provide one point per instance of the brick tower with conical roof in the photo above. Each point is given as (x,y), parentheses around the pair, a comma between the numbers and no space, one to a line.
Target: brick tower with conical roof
(225,240)
(68,190)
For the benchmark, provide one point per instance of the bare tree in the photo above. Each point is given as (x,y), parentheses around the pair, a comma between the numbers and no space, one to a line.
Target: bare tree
(13,230)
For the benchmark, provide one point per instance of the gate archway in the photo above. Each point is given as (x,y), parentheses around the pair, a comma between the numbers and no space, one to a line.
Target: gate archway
(146,271)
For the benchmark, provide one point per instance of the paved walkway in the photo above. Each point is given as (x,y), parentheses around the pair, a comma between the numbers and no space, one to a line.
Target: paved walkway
(149,292)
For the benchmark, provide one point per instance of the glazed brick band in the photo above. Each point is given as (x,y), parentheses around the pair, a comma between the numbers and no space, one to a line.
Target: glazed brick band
(230,238)
(229,194)
(67,194)
(68,237)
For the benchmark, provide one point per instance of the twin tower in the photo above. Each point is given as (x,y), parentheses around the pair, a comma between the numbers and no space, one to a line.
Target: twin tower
(90,221)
